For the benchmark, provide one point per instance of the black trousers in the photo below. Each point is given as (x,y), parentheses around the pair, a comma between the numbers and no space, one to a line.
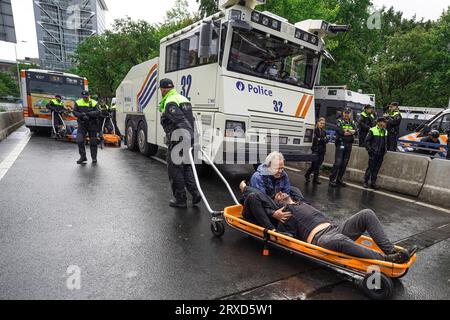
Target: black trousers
(375,163)
(257,208)
(362,138)
(392,142)
(181,178)
(343,153)
(56,121)
(113,117)
(83,132)
(315,166)
(342,238)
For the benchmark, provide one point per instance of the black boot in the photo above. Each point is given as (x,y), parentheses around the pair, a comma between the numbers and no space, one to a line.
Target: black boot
(366,185)
(317,181)
(341,183)
(374,186)
(308,178)
(196,199)
(177,204)
(82,160)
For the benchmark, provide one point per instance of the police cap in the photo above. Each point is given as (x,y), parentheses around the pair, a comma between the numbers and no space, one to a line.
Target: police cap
(166,84)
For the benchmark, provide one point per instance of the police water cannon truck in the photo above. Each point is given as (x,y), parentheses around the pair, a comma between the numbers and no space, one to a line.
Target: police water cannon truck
(249,75)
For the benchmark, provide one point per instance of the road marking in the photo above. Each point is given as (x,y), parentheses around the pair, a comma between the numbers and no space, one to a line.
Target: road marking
(390,195)
(159,160)
(9,161)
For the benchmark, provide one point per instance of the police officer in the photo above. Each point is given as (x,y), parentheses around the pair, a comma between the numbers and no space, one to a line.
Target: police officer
(178,122)
(432,138)
(319,149)
(376,145)
(113,110)
(366,122)
(56,106)
(394,119)
(345,136)
(87,112)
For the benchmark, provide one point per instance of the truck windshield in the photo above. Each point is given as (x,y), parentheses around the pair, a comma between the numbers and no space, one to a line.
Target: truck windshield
(257,54)
(69,88)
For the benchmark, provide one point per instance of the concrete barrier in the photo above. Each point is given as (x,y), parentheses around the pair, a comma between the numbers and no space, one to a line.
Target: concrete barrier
(436,189)
(401,172)
(9,122)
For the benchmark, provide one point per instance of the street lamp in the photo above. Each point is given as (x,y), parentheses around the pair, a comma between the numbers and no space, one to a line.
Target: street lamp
(18,69)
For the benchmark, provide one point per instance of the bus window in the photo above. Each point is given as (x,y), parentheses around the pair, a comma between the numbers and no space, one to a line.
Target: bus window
(331,116)
(51,85)
(255,54)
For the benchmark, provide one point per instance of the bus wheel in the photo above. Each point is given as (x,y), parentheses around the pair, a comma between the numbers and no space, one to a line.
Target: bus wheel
(147,149)
(130,138)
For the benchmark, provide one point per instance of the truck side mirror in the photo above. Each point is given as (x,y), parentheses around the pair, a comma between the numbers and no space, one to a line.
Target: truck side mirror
(206,37)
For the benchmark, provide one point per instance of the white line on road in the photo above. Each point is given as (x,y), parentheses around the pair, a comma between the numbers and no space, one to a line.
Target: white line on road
(160,160)
(7,163)
(390,195)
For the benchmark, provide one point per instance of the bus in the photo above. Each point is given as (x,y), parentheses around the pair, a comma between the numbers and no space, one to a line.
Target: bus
(39,86)
(249,75)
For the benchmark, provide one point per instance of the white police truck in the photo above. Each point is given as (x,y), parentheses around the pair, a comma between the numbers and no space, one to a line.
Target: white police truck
(249,75)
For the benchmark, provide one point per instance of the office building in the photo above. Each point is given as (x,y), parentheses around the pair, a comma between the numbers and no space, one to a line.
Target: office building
(7,30)
(62,25)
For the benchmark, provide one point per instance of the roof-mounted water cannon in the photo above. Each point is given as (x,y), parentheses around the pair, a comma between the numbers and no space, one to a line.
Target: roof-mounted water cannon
(225,4)
(321,28)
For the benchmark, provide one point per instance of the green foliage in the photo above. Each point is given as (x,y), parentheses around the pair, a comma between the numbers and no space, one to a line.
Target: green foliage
(207,7)
(8,86)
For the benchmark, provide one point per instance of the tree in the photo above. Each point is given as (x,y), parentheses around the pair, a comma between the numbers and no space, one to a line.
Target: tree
(8,86)
(207,7)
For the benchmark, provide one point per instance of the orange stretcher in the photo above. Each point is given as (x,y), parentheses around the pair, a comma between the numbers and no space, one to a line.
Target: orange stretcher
(110,138)
(374,277)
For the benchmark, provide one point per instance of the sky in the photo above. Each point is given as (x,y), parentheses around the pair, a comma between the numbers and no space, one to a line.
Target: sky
(154,11)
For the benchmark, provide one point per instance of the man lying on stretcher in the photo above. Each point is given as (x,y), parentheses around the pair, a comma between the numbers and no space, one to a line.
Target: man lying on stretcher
(307,224)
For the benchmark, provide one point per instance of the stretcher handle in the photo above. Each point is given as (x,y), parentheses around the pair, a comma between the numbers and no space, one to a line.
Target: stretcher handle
(197,180)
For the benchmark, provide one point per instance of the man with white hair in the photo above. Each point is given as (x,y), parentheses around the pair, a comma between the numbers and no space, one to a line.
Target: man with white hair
(271,178)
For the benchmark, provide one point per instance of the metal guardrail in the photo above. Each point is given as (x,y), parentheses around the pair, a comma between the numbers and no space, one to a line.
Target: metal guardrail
(10,107)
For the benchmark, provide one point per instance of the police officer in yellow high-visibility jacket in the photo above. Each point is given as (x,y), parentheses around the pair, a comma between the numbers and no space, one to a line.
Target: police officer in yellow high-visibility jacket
(394,120)
(178,122)
(376,145)
(87,112)
(345,136)
(56,106)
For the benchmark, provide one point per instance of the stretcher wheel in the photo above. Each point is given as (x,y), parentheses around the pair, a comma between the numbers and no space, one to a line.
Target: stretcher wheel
(218,229)
(385,290)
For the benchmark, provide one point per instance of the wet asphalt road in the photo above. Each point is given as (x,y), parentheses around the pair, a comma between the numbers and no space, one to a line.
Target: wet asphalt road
(113,222)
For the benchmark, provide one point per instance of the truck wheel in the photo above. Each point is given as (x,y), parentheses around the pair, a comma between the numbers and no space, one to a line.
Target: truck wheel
(147,149)
(131,139)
